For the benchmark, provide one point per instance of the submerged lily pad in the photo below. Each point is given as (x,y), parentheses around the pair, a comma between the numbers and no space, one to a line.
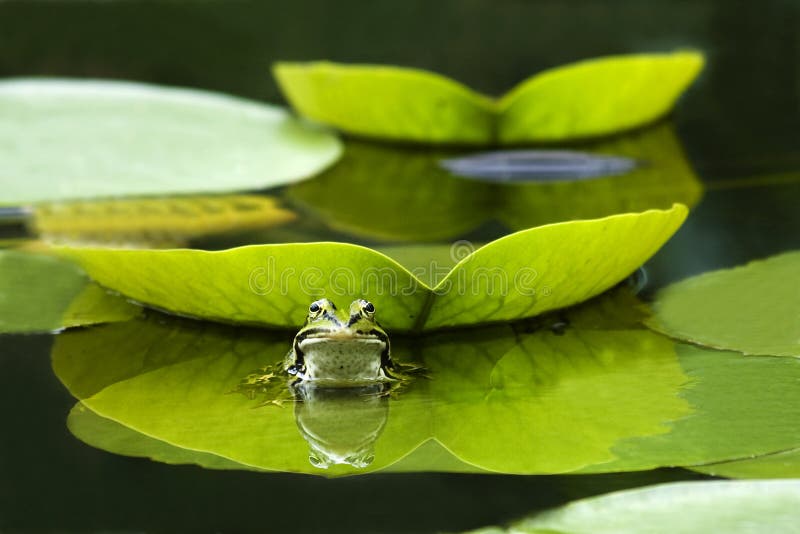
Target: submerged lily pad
(677,508)
(404,194)
(517,276)
(70,139)
(588,98)
(754,309)
(41,294)
(153,222)
(513,399)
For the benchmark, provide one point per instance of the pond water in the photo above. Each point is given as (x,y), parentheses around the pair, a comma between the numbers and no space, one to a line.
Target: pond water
(506,419)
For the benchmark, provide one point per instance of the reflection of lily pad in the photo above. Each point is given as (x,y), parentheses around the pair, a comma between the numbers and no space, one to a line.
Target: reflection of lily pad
(153,222)
(41,294)
(112,436)
(754,309)
(404,194)
(394,193)
(598,399)
(678,508)
(67,139)
(588,98)
(517,276)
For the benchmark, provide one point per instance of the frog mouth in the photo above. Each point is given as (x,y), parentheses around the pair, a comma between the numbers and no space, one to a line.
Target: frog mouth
(343,335)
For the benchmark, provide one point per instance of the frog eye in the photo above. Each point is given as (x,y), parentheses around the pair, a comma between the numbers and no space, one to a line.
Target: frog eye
(367,307)
(314,308)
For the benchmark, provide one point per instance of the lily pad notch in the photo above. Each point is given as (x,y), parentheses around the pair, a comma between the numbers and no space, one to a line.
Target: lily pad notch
(520,275)
(580,100)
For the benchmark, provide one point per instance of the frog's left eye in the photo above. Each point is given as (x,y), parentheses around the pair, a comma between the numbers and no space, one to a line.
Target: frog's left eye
(314,308)
(367,307)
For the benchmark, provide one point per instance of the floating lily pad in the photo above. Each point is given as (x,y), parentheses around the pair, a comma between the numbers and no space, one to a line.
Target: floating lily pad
(677,508)
(153,222)
(518,276)
(523,400)
(589,98)
(70,139)
(41,294)
(784,464)
(404,194)
(754,309)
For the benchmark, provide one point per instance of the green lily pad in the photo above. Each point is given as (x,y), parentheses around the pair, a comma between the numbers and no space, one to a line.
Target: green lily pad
(784,464)
(405,195)
(510,399)
(41,294)
(589,98)
(754,309)
(70,139)
(677,508)
(518,276)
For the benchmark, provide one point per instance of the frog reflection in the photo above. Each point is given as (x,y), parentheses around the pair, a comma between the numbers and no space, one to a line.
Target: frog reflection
(340,425)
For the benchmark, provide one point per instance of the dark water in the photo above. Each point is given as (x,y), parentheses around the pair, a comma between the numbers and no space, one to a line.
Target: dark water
(738,126)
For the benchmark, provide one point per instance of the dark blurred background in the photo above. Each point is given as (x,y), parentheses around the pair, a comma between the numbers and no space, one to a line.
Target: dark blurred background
(739,125)
(736,117)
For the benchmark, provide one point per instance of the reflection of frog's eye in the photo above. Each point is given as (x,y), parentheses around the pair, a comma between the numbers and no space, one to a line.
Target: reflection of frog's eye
(314,308)
(368,307)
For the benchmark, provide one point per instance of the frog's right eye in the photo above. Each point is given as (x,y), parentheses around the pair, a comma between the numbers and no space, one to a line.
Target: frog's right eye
(314,308)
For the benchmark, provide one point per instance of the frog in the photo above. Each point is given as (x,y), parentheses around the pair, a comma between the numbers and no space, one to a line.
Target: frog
(339,349)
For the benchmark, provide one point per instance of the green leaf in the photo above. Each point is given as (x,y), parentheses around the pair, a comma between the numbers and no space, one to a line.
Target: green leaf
(596,97)
(549,267)
(111,436)
(784,464)
(41,294)
(589,98)
(404,194)
(603,398)
(677,508)
(753,309)
(68,139)
(387,102)
(518,276)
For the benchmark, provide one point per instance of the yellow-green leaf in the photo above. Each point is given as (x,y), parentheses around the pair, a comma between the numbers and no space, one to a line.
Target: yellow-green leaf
(387,102)
(584,99)
(518,276)
(549,267)
(596,97)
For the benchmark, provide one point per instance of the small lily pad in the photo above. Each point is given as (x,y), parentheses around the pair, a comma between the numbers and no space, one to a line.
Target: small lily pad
(518,276)
(677,508)
(585,99)
(71,139)
(753,309)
